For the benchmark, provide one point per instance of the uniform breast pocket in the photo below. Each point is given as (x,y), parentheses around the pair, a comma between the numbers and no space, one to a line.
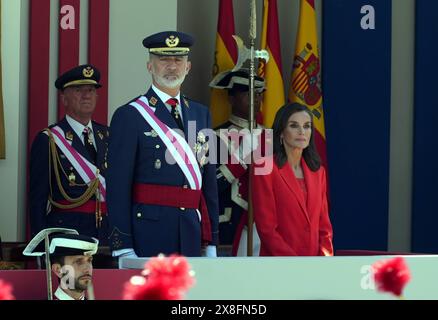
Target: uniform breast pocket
(149,142)
(152,153)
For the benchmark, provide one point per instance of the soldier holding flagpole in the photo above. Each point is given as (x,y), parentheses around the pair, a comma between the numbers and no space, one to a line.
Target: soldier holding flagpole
(243,55)
(232,170)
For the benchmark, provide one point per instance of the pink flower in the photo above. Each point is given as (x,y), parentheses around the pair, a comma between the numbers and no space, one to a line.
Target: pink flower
(6,291)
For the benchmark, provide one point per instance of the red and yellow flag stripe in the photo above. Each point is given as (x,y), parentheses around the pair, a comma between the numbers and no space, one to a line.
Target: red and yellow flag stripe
(305,86)
(2,120)
(225,57)
(274,95)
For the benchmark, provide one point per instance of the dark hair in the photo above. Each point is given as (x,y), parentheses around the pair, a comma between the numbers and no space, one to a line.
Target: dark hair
(57,259)
(237,88)
(310,154)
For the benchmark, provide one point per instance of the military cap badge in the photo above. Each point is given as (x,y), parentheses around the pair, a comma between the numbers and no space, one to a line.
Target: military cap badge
(172,41)
(88,72)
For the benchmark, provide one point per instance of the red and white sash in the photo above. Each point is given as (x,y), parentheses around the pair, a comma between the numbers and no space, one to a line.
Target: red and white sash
(177,145)
(86,169)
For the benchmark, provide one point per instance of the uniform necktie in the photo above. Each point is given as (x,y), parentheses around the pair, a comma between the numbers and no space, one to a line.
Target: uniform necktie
(89,144)
(173,102)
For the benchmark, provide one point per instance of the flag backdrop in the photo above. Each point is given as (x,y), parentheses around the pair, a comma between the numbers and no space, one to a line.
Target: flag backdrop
(274,95)
(68,47)
(305,86)
(2,119)
(68,55)
(225,57)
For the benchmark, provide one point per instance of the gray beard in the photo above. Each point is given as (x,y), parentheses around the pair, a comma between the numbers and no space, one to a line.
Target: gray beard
(172,84)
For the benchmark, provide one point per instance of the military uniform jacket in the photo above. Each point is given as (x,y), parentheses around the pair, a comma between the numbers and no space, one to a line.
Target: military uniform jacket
(138,156)
(232,180)
(44,215)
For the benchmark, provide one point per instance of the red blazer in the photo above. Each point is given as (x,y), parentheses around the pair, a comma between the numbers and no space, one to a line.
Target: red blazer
(286,223)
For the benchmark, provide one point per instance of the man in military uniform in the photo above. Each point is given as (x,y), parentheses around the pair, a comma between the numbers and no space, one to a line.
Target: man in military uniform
(162,193)
(70,259)
(67,164)
(232,176)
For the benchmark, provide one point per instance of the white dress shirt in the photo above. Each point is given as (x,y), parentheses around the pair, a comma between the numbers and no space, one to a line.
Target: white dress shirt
(78,128)
(164,97)
(61,295)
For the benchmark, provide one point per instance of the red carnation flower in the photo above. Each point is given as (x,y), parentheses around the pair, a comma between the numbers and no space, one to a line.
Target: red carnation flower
(163,278)
(174,267)
(6,291)
(140,288)
(391,275)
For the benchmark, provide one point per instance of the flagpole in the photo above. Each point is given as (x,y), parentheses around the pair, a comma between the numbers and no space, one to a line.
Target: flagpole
(48,267)
(251,120)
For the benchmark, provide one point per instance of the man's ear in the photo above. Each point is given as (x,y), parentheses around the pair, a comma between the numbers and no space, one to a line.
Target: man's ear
(149,66)
(189,66)
(56,269)
(63,99)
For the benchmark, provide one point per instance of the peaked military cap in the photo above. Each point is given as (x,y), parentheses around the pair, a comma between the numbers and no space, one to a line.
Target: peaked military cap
(237,81)
(169,43)
(78,76)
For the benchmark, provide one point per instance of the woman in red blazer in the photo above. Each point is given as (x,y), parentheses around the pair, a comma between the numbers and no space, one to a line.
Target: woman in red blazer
(290,201)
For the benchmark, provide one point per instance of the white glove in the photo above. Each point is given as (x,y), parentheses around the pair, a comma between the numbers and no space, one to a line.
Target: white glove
(124,253)
(209,251)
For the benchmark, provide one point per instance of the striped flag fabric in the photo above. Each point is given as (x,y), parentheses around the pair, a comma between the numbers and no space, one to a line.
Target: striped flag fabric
(273,98)
(305,86)
(2,119)
(225,57)
(68,48)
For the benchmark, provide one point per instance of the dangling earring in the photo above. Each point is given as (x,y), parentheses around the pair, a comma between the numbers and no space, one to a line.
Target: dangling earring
(281,141)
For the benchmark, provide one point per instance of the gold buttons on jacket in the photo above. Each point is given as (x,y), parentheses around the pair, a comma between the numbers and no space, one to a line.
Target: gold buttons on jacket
(157,146)
(139,215)
(158,164)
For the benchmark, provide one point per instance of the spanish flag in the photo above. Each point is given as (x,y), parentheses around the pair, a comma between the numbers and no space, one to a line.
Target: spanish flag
(2,120)
(225,57)
(274,95)
(305,85)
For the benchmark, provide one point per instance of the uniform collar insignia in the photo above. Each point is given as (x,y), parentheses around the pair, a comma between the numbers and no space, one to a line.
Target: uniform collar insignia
(153,101)
(186,102)
(238,121)
(242,123)
(100,134)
